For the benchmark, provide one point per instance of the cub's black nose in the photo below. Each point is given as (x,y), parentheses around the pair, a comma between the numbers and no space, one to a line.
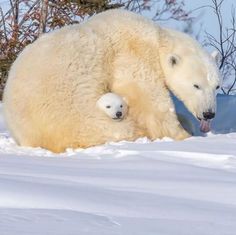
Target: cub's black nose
(118,114)
(208,115)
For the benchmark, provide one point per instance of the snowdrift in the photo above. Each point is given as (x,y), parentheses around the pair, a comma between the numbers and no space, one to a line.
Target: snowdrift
(143,188)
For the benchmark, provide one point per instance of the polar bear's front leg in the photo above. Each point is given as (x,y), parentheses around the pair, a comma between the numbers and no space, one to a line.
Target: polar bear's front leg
(103,130)
(173,128)
(149,101)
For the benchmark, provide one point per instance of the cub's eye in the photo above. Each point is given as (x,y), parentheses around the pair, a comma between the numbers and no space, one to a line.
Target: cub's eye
(108,106)
(196,86)
(121,106)
(217,87)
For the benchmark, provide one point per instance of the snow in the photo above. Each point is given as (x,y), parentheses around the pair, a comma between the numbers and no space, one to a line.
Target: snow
(143,188)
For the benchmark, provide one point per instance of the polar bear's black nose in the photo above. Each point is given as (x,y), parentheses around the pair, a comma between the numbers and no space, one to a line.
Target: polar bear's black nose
(118,114)
(208,115)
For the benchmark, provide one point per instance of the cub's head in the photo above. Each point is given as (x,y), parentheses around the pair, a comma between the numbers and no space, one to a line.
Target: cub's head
(113,106)
(191,73)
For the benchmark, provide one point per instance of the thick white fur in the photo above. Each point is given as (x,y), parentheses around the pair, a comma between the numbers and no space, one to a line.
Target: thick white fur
(111,104)
(54,84)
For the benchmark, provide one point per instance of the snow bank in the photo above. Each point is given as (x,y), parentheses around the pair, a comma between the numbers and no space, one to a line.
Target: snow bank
(143,188)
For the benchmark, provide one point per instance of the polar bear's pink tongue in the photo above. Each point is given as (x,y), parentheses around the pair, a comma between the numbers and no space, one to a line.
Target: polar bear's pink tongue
(205,125)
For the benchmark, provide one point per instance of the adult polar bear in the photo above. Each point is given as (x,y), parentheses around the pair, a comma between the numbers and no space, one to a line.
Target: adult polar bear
(53,86)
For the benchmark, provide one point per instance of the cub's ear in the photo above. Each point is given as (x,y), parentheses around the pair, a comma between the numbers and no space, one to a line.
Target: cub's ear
(173,60)
(126,100)
(216,56)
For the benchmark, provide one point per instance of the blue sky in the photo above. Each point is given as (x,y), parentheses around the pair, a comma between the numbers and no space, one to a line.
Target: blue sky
(206,17)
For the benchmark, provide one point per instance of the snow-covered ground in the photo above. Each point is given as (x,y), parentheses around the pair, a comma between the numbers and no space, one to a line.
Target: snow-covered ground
(142,188)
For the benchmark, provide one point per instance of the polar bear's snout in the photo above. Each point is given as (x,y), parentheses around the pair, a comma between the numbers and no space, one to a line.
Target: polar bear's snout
(119,114)
(205,121)
(208,115)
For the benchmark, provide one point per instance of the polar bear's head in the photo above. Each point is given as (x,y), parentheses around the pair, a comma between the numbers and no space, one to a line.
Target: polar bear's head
(191,74)
(113,105)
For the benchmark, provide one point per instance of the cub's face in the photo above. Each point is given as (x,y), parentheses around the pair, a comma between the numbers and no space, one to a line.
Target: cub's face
(113,106)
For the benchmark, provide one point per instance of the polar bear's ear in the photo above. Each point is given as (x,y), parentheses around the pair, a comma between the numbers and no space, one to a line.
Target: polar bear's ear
(173,60)
(126,100)
(216,56)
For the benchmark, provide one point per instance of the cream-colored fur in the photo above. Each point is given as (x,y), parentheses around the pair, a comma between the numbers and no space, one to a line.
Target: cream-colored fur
(53,86)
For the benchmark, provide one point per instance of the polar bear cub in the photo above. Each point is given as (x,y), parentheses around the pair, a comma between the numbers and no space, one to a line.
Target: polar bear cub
(113,105)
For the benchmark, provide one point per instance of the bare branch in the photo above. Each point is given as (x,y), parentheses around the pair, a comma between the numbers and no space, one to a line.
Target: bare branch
(225,43)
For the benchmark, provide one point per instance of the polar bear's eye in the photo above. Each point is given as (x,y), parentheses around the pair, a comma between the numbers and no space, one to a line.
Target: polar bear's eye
(217,87)
(173,60)
(108,106)
(121,106)
(196,86)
